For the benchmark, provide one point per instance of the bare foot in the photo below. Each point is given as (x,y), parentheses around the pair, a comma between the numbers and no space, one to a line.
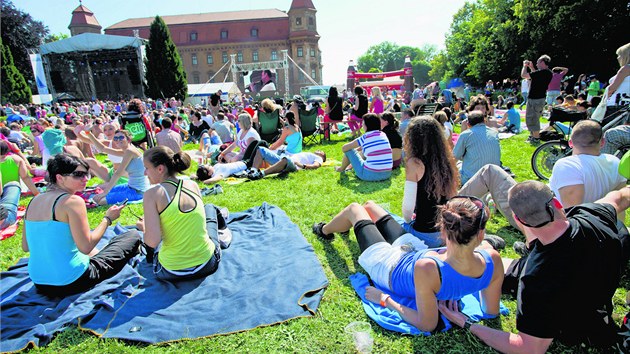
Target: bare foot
(339,169)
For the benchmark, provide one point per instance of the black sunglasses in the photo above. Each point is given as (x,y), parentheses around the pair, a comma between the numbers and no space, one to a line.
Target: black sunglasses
(549,210)
(478,202)
(78,174)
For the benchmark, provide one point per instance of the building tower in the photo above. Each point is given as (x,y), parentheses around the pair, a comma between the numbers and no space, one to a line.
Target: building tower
(303,44)
(83,21)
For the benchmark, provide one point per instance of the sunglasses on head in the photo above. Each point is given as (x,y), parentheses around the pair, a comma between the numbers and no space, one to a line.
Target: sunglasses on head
(119,138)
(549,210)
(478,203)
(78,174)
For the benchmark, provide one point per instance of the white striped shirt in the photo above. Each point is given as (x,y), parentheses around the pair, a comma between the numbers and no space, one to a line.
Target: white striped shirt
(377,151)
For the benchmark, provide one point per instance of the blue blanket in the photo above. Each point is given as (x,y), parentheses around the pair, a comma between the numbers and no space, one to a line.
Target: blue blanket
(269,274)
(391,320)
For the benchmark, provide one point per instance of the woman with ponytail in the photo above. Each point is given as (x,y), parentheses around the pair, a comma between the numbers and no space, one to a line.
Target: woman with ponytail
(174,216)
(403,265)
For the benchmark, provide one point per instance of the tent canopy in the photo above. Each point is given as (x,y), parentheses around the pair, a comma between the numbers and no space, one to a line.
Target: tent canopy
(207,89)
(87,42)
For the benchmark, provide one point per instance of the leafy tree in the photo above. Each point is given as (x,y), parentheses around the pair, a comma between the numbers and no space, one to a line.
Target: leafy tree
(388,56)
(14,88)
(19,32)
(165,75)
(55,37)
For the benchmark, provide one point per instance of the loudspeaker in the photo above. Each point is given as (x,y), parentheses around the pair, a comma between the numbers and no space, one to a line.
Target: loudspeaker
(134,76)
(57,80)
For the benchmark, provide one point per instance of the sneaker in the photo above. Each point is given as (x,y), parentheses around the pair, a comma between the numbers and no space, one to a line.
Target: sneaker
(318,229)
(255,174)
(217,189)
(521,248)
(495,241)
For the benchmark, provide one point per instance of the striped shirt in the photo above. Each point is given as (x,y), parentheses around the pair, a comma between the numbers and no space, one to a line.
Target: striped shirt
(477,147)
(377,151)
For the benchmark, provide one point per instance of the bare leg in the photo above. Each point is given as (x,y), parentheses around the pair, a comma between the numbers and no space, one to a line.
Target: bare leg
(346,219)
(98,169)
(374,210)
(258,160)
(344,164)
(277,167)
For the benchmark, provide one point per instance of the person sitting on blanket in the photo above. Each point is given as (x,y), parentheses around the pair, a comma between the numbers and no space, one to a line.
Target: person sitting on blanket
(511,119)
(247,136)
(13,168)
(174,217)
(378,162)
(132,164)
(10,197)
(63,255)
(400,263)
(290,163)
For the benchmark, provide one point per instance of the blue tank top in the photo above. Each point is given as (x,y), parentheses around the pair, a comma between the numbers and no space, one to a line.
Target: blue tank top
(137,179)
(294,143)
(454,285)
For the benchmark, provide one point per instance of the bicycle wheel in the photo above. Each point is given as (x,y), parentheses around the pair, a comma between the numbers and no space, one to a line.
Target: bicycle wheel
(546,156)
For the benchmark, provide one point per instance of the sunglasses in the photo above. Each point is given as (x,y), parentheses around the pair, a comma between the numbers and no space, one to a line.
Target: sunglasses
(119,138)
(549,210)
(34,131)
(78,174)
(478,203)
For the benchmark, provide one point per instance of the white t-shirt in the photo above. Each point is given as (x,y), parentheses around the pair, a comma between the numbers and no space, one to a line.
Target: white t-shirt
(97,109)
(598,174)
(228,169)
(525,85)
(207,119)
(306,158)
(624,88)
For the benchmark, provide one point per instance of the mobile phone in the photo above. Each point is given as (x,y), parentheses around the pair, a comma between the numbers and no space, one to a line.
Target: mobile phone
(124,202)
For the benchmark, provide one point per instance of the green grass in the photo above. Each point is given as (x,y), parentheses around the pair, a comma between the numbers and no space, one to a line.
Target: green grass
(308,197)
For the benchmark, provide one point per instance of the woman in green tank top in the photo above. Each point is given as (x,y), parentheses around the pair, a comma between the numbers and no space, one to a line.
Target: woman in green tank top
(175,219)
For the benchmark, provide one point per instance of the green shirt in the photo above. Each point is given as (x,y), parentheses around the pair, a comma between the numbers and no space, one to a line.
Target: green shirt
(593,88)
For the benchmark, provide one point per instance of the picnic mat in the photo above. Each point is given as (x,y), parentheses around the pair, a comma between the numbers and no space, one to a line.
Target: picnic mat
(269,274)
(391,320)
(10,231)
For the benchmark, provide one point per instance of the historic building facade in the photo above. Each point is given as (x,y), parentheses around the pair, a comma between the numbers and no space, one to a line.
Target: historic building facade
(206,41)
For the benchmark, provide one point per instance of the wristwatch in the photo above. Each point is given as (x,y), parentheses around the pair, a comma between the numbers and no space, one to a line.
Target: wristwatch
(468,323)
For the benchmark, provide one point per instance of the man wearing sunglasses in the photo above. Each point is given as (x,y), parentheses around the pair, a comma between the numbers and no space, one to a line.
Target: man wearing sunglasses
(566,284)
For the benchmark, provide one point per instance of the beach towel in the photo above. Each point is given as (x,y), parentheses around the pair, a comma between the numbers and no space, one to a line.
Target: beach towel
(10,231)
(391,320)
(268,275)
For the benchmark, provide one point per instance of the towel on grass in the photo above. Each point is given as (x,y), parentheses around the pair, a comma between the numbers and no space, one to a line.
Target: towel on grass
(10,231)
(269,274)
(391,320)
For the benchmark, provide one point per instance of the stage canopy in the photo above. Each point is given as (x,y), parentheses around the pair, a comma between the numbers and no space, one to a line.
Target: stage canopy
(88,42)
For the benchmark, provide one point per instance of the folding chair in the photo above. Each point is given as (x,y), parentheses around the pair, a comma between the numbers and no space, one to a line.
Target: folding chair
(269,125)
(309,126)
(426,109)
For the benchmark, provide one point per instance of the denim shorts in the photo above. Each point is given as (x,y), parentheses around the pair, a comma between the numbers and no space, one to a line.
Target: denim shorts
(431,239)
(270,156)
(363,173)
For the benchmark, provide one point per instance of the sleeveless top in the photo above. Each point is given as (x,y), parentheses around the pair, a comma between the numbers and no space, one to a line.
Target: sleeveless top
(624,88)
(377,106)
(137,179)
(54,256)
(363,106)
(426,207)
(10,171)
(185,241)
(114,158)
(294,143)
(454,285)
(336,109)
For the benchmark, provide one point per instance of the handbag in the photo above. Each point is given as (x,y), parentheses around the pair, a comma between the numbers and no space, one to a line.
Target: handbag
(600,111)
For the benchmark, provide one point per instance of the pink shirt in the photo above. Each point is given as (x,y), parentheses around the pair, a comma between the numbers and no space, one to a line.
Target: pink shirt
(556,82)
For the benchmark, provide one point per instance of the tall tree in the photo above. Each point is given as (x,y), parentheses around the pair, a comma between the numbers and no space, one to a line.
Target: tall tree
(165,75)
(13,87)
(389,56)
(20,32)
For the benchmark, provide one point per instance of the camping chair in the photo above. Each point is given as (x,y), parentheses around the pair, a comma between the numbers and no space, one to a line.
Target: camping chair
(135,125)
(309,126)
(426,109)
(269,124)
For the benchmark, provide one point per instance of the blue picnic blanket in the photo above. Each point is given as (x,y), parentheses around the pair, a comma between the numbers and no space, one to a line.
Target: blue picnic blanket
(391,320)
(269,274)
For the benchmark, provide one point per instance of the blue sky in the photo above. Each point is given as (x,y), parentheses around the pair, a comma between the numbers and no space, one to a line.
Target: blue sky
(347,27)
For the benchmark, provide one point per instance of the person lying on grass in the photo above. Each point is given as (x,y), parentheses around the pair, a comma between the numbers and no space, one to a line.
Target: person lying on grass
(402,264)
(284,163)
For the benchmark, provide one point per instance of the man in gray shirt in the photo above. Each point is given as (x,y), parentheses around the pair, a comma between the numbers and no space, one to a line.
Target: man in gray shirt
(223,128)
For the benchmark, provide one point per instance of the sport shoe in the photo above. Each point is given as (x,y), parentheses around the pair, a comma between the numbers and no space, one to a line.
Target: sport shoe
(495,241)
(255,174)
(533,141)
(217,189)
(521,248)
(318,229)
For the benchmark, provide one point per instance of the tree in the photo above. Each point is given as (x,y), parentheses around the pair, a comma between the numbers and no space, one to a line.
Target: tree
(165,75)
(20,32)
(56,37)
(388,56)
(13,88)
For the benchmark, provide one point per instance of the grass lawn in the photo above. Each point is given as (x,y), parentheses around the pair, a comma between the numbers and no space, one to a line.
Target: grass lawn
(308,197)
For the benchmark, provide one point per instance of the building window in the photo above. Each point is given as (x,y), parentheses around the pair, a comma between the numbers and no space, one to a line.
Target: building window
(312,52)
(254,32)
(193,56)
(300,52)
(239,57)
(224,57)
(255,55)
(209,59)
(298,21)
(193,36)
(195,78)
(274,55)
(224,34)
(314,74)
(311,21)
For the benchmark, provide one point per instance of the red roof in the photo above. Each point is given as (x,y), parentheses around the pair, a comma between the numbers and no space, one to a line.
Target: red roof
(82,16)
(302,4)
(202,18)
(82,8)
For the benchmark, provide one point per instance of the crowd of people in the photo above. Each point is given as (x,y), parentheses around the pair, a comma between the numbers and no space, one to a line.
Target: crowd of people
(574,246)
